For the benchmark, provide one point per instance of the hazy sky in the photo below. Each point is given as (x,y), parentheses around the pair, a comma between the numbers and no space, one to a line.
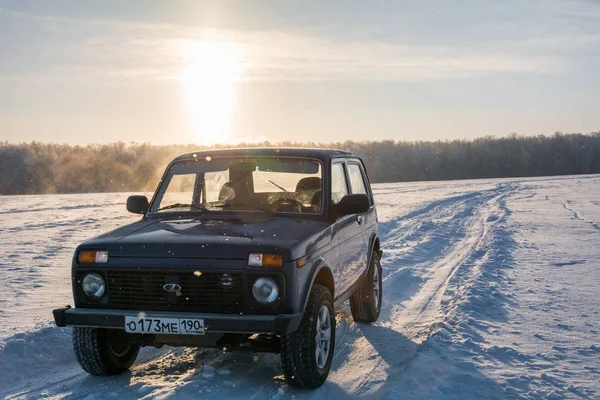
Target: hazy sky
(313,70)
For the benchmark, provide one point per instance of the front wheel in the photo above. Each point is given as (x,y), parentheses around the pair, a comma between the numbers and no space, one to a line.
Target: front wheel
(365,303)
(306,354)
(103,351)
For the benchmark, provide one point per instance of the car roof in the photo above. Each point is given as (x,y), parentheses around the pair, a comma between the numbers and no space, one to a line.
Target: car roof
(320,154)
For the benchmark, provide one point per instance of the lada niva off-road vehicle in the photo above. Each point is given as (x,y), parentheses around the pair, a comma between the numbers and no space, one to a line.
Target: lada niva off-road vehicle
(246,249)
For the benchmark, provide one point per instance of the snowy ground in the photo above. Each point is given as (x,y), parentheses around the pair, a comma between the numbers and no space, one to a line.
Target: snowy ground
(491,291)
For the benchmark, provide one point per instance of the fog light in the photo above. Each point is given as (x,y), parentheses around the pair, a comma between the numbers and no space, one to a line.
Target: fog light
(265,290)
(93,285)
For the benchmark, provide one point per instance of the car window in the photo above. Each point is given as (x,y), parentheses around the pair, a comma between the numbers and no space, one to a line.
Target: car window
(180,189)
(357,183)
(339,187)
(214,181)
(271,184)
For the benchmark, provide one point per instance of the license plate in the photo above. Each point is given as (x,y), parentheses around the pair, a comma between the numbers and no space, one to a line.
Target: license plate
(165,326)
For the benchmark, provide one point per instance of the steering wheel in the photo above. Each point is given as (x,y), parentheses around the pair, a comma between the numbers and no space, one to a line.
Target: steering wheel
(288,203)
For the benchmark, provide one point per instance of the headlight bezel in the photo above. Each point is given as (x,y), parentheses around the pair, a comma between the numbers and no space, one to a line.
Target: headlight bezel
(99,291)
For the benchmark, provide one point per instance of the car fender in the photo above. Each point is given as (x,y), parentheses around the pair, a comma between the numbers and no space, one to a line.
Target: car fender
(317,266)
(373,244)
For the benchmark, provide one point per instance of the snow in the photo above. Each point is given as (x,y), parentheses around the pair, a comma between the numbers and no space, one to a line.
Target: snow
(490,291)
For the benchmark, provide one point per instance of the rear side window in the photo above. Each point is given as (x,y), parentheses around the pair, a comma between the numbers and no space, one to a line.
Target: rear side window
(357,182)
(338,183)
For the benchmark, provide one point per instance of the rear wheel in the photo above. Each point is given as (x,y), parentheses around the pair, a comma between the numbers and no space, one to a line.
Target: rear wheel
(103,351)
(306,354)
(366,302)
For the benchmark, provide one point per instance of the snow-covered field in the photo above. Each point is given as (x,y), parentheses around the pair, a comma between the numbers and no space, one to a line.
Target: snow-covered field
(491,291)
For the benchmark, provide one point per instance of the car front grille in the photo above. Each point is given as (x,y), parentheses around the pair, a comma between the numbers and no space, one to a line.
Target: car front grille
(200,292)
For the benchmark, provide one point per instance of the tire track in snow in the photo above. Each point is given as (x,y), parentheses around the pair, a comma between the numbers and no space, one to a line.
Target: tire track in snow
(577,215)
(451,230)
(459,225)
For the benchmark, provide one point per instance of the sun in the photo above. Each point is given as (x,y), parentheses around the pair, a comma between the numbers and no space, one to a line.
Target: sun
(209,79)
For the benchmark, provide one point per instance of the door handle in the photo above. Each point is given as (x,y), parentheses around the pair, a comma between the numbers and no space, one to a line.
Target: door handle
(359,219)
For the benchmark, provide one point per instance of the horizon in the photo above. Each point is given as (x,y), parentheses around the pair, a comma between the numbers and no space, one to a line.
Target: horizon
(294,144)
(205,73)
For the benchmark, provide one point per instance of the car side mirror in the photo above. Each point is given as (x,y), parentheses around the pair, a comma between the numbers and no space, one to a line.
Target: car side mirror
(137,204)
(353,204)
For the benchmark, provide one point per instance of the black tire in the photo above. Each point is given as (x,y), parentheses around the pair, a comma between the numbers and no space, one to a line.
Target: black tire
(365,303)
(103,351)
(299,349)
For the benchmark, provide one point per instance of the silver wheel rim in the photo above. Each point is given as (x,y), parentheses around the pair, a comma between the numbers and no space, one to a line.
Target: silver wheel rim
(323,337)
(376,286)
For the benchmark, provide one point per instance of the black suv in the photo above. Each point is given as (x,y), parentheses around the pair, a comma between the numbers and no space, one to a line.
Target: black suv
(245,249)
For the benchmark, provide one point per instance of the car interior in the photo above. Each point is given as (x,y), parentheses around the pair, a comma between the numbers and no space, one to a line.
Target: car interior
(306,197)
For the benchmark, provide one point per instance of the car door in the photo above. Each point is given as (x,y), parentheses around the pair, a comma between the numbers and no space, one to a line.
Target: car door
(364,222)
(350,233)
(339,188)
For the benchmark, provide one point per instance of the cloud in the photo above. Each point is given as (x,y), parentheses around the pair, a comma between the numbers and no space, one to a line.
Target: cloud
(568,9)
(64,48)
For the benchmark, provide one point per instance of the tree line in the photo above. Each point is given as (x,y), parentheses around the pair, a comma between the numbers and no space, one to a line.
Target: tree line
(39,168)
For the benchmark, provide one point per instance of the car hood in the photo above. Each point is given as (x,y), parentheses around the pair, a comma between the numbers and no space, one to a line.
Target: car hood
(214,238)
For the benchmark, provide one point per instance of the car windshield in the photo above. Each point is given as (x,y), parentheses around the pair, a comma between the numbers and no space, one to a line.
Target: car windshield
(264,184)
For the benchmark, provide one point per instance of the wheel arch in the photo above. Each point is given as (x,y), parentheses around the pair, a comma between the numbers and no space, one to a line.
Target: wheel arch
(325,277)
(321,275)
(374,248)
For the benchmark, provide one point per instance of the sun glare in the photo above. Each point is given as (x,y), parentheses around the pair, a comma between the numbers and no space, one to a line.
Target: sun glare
(209,80)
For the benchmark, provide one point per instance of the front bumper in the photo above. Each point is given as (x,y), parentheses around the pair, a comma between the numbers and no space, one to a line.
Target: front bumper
(214,323)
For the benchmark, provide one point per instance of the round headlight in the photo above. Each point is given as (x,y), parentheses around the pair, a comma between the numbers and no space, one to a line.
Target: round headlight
(265,290)
(93,285)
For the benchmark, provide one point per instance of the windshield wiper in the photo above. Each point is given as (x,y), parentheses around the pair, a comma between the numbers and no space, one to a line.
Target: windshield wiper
(280,187)
(194,207)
